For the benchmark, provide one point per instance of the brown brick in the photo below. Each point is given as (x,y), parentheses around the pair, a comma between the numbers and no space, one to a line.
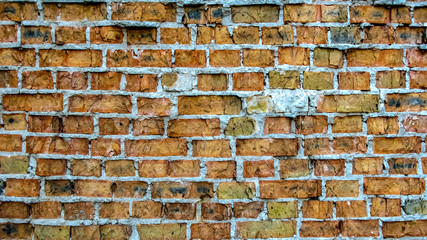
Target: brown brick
(301,13)
(140,58)
(147,209)
(312,35)
(8,33)
(274,125)
(385,207)
(315,229)
(156,147)
(259,169)
(175,35)
(184,168)
(113,126)
(82,232)
(86,167)
(119,168)
(393,186)
(14,122)
(248,210)
(100,103)
(267,147)
(8,79)
(216,211)
(16,231)
(209,104)
(348,103)
(416,57)
(71,80)
(37,80)
(79,211)
(374,58)
(165,231)
(370,14)
(255,13)
(190,58)
(106,81)
(194,127)
(359,228)
(130,189)
(339,145)
(265,229)
(334,13)
(311,124)
(224,58)
(294,168)
(347,124)
(333,167)
(93,188)
(401,102)
(22,187)
(277,35)
(211,148)
(148,126)
(390,79)
(342,188)
(141,35)
(414,228)
(294,56)
(114,210)
(181,190)
(250,81)
(36,35)
(18,11)
(354,80)
(51,167)
(368,165)
(75,12)
(14,210)
(115,232)
(325,57)
(46,210)
(419,15)
(51,232)
(246,35)
(258,58)
(379,35)
(154,106)
(390,145)
(290,189)
(58,188)
(70,35)
(404,166)
(214,231)
(14,164)
(418,79)
(153,168)
(221,169)
(180,211)
(383,125)
(144,11)
(17,57)
(106,147)
(351,209)
(317,209)
(70,58)
(212,82)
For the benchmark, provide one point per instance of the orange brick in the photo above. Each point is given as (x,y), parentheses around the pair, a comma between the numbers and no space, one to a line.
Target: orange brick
(14,210)
(401,102)
(354,80)
(8,79)
(418,79)
(93,188)
(181,190)
(211,148)
(375,58)
(342,188)
(141,35)
(209,105)
(317,209)
(114,210)
(57,145)
(294,168)
(113,126)
(393,186)
(301,13)
(370,14)
(130,189)
(175,35)
(368,165)
(75,12)
(255,13)
(390,79)
(148,126)
(194,127)
(359,228)
(315,229)
(10,143)
(58,188)
(404,166)
(86,167)
(79,211)
(259,169)
(333,167)
(141,82)
(147,209)
(119,168)
(190,58)
(383,125)
(277,125)
(266,147)
(46,210)
(18,11)
(351,209)
(294,56)
(51,167)
(214,231)
(106,81)
(212,82)
(290,189)
(17,57)
(71,80)
(390,145)
(156,147)
(416,57)
(70,35)
(143,11)
(311,124)
(140,58)
(277,35)
(100,103)
(246,35)
(37,80)
(347,124)
(385,207)
(379,35)
(106,147)
(9,33)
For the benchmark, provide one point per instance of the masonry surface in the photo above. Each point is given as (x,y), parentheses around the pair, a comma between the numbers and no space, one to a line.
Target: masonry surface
(213,119)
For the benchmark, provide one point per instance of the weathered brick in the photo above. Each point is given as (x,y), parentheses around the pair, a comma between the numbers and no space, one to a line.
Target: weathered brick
(180,211)
(100,103)
(83,232)
(14,164)
(190,58)
(156,147)
(224,58)
(312,35)
(16,231)
(317,209)
(345,35)
(14,122)
(325,57)
(22,187)
(8,33)
(255,13)
(390,79)
(290,189)
(318,80)
(374,58)
(401,102)
(175,35)
(141,35)
(368,165)
(265,229)
(353,80)
(93,188)
(46,210)
(246,35)
(385,207)
(130,189)
(147,209)
(37,80)
(214,231)
(259,169)
(347,124)
(339,145)
(418,79)
(42,232)
(294,56)
(390,145)
(301,13)
(8,79)
(216,211)
(18,11)
(36,35)
(51,167)
(79,211)
(370,14)
(57,145)
(70,58)
(332,167)
(359,228)
(258,58)
(114,210)
(143,11)
(75,12)
(248,210)
(208,105)
(14,210)
(311,124)
(351,209)
(393,186)
(334,13)
(58,188)
(119,168)
(266,147)
(379,35)
(280,210)
(221,169)
(71,80)
(236,190)
(414,228)
(115,232)
(166,231)
(17,57)
(416,57)
(342,188)
(419,14)
(193,127)
(211,148)
(70,35)
(148,126)
(317,229)
(181,189)
(277,35)
(274,125)
(294,168)
(140,58)
(348,103)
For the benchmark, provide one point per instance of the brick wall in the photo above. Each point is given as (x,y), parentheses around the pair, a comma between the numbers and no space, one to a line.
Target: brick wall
(228,120)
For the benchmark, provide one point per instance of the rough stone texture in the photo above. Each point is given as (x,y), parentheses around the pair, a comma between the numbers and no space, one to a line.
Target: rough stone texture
(213,119)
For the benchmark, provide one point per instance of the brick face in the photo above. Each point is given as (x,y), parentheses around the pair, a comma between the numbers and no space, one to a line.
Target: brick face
(227,120)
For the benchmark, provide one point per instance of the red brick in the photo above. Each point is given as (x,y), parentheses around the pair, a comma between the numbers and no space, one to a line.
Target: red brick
(385,207)
(351,209)
(46,210)
(180,211)
(317,209)
(14,210)
(258,58)
(312,35)
(71,80)
(18,11)
(148,126)
(8,79)
(311,124)
(9,33)
(390,145)
(416,57)
(79,211)
(342,188)
(333,167)
(119,168)
(418,79)
(114,210)
(93,188)
(147,209)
